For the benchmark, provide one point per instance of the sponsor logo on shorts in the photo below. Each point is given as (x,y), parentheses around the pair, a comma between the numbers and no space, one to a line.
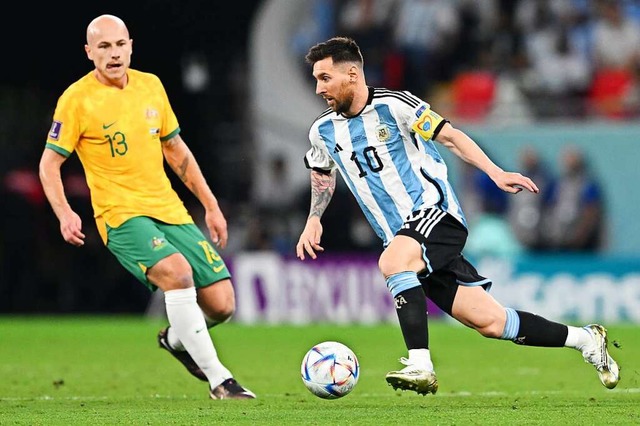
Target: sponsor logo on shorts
(157,243)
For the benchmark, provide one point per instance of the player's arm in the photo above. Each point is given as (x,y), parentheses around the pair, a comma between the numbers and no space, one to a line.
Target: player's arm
(51,179)
(323,185)
(464,147)
(181,160)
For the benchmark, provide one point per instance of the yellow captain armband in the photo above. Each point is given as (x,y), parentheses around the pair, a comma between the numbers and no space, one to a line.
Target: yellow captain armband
(427,122)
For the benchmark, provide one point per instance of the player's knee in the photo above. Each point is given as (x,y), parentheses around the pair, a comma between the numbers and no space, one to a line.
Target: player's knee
(225,312)
(174,280)
(181,280)
(219,313)
(218,309)
(388,265)
(171,273)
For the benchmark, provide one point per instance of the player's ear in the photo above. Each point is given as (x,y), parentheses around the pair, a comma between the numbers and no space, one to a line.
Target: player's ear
(353,74)
(87,50)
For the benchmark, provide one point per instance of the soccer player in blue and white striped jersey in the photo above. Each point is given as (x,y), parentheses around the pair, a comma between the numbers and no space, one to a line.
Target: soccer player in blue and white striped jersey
(382,142)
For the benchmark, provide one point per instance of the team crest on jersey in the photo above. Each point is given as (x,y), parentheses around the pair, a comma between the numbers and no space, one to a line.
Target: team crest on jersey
(383,133)
(151,113)
(54,133)
(157,243)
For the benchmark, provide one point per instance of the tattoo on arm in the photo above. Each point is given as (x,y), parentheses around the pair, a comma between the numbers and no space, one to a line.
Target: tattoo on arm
(322,189)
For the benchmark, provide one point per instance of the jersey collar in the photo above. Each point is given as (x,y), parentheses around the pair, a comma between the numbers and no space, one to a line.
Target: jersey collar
(369,100)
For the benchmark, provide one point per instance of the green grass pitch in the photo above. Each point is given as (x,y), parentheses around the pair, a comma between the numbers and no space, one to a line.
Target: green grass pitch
(109,371)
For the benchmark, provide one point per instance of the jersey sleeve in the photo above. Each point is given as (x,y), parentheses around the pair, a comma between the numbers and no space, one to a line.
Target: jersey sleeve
(170,126)
(317,157)
(64,134)
(426,122)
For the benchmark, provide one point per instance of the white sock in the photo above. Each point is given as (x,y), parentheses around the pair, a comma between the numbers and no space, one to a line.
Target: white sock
(176,344)
(188,325)
(577,338)
(421,358)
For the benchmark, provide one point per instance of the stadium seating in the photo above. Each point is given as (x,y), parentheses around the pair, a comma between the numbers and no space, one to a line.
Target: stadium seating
(607,94)
(473,94)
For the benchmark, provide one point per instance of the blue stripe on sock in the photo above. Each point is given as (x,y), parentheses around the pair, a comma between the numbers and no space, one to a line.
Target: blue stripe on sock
(397,283)
(512,325)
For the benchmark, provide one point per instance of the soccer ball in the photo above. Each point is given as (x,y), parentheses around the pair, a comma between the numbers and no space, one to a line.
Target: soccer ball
(330,370)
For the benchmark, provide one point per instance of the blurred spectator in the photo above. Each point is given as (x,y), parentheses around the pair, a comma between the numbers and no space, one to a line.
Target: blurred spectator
(319,22)
(558,76)
(426,33)
(273,197)
(479,21)
(478,193)
(525,210)
(576,217)
(616,37)
(557,71)
(616,53)
(491,236)
(485,206)
(368,22)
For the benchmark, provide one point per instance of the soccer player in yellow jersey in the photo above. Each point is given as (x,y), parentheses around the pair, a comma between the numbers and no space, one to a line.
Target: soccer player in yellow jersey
(120,123)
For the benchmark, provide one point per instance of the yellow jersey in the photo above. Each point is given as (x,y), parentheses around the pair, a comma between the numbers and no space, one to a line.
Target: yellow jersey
(117,136)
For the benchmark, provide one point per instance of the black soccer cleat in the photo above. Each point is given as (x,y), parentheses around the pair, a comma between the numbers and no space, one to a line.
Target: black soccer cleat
(231,389)
(182,356)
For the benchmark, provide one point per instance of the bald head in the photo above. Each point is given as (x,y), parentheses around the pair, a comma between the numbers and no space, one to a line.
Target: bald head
(109,47)
(105,24)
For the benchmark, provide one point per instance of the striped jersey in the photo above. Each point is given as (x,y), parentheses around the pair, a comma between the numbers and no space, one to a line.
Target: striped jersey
(117,136)
(391,168)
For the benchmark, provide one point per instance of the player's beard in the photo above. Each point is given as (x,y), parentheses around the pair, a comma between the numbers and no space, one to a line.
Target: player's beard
(344,101)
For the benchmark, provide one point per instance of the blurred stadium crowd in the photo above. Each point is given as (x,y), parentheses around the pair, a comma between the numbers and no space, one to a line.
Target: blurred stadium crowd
(547,59)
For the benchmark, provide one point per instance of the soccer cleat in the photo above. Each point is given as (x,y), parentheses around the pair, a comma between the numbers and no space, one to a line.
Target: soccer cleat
(597,354)
(413,378)
(231,389)
(182,356)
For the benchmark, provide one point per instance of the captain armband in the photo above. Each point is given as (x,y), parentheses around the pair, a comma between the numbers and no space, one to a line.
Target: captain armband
(428,123)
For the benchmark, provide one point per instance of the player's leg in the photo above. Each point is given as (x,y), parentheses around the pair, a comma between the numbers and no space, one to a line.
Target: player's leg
(411,308)
(476,308)
(143,248)
(216,300)
(424,243)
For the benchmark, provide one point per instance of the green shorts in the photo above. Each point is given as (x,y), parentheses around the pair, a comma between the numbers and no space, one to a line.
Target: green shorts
(141,242)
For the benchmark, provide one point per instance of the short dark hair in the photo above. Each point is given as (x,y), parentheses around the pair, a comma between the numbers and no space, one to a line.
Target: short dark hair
(340,49)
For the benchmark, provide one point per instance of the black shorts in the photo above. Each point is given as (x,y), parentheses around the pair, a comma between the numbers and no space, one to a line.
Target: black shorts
(442,238)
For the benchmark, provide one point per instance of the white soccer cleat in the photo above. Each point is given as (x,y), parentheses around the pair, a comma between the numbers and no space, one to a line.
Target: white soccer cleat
(596,353)
(413,378)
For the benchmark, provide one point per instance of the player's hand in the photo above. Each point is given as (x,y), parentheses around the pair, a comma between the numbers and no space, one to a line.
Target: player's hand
(217,225)
(71,228)
(515,182)
(309,241)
